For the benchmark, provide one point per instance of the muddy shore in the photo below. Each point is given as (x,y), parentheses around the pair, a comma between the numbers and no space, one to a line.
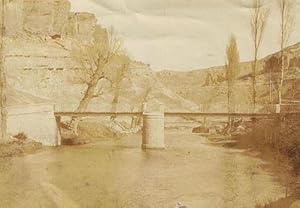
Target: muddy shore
(19,148)
(273,165)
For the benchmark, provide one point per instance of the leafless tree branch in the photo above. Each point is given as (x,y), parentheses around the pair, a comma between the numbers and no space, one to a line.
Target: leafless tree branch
(258,23)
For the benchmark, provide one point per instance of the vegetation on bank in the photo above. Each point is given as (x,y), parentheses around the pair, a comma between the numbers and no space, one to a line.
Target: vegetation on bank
(281,203)
(19,145)
(278,141)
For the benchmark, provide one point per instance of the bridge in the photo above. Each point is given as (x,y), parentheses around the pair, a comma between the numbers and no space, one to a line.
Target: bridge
(153,122)
(170,114)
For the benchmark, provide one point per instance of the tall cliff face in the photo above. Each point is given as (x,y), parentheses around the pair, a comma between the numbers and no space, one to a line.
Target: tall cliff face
(82,26)
(40,35)
(13,17)
(48,18)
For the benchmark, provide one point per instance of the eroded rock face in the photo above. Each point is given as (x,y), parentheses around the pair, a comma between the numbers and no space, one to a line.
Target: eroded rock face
(40,35)
(82,26)
(43,17)
(48,19)
(14,17)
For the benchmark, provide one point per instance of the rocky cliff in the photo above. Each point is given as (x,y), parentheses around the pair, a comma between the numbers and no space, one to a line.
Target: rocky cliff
(47,19)
(40,35)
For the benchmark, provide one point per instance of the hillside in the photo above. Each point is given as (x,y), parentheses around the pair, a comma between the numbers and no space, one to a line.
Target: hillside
(46,70)
(208,87)
(39,41)
(40,36)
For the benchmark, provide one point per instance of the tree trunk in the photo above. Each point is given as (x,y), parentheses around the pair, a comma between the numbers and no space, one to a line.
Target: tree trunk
(83,105)
(271,87)
(3,113)
(115,102)
(230,102)
(254,67)
(283,34)
(85,101)
(282,77)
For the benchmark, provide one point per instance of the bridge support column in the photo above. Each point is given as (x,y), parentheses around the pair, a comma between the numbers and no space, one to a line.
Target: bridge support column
(277,108)
(153,131)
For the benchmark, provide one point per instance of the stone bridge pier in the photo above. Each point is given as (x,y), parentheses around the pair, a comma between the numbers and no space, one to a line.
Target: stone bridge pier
(153,131)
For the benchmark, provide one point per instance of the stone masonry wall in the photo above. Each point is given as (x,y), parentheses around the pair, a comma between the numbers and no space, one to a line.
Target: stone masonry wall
(36,121)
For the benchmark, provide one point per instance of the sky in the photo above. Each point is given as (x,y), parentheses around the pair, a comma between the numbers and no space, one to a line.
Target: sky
(185,34)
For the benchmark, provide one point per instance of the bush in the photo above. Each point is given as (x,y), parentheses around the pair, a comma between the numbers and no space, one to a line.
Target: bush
(21,136)
(277,140)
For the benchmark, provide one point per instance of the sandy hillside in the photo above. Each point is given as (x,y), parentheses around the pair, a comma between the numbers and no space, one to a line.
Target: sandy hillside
(208,86)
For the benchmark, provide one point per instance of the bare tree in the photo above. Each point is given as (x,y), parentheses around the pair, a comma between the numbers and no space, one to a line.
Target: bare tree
(287,16)
(232,69)
(117,81)
(141,100)
(258,24)
(3,112)
(95,62)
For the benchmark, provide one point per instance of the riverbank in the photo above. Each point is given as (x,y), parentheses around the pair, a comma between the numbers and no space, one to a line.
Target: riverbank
(277,142)
(19,146)
(118,173)
(259,139)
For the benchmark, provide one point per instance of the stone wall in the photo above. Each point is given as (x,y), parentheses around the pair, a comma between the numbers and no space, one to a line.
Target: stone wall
(37,122)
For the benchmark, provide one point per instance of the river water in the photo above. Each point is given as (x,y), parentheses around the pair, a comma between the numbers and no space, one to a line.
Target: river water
(118,174)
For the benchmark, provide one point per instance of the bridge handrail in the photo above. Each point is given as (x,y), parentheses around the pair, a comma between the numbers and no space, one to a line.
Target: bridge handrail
(93,114)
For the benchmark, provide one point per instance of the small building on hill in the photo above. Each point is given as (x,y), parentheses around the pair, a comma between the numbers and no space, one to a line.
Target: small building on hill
(32,116)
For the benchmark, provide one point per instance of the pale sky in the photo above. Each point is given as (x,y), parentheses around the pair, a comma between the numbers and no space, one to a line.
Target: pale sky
(185,34)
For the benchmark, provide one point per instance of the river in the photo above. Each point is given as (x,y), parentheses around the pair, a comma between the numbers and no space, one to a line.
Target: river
(118,174)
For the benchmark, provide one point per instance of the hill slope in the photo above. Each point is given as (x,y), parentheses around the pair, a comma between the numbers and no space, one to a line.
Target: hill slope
(39,40)
(209,87)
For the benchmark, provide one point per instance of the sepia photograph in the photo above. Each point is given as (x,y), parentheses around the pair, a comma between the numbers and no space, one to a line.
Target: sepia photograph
(149,103)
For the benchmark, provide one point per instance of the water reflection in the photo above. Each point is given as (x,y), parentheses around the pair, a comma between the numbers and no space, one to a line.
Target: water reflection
(119,174)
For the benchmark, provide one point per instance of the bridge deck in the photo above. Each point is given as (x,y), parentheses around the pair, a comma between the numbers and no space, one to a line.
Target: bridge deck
(170,114)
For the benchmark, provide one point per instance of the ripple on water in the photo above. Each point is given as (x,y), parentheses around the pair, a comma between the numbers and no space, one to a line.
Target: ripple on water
(120,174)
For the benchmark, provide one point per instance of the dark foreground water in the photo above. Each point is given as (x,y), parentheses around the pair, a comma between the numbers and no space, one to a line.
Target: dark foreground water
(118,174)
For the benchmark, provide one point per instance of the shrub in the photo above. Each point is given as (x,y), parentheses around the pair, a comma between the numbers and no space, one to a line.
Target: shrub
(21,136)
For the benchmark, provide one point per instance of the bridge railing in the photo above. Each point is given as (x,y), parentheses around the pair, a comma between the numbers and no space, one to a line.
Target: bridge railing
(203,108)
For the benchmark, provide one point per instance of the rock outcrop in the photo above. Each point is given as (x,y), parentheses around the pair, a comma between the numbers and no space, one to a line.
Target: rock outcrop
(40,34)
(39,37)
(82,26)
(48,19)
